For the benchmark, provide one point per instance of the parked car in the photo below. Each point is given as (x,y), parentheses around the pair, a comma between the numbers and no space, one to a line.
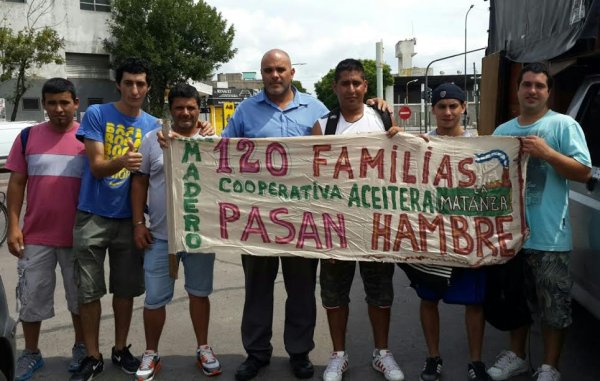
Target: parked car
(7,339)
(8,133)
(585,201)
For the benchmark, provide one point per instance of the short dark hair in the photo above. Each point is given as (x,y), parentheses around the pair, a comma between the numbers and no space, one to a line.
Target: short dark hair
(183,90)
(56,86)
(349,64)
(134,65)
(537,68)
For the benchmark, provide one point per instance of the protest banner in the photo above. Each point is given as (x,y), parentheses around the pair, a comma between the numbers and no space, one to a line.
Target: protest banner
(456,201)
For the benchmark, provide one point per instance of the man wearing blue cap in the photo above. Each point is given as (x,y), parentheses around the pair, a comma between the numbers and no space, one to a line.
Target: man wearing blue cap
(453,285)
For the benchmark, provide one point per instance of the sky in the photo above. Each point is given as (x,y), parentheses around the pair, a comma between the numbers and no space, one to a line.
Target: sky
(318,34)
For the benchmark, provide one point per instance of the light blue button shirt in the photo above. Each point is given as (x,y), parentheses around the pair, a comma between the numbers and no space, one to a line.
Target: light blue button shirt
(259,117)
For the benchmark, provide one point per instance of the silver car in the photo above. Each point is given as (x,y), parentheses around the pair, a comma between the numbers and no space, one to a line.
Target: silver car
(585,201)
(7,339)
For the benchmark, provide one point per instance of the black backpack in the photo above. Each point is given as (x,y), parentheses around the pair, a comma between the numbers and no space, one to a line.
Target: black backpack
(505,306)
(334,116)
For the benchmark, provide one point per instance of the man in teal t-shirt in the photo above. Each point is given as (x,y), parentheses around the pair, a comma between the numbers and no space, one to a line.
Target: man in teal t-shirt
(558,154)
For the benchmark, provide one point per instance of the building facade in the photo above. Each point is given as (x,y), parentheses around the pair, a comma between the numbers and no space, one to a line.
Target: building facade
(83,25)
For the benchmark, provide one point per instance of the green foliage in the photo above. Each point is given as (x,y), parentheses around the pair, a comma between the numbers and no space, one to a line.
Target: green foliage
(298,85)
(22,50)
(324,90)
(181,39)
(324,87)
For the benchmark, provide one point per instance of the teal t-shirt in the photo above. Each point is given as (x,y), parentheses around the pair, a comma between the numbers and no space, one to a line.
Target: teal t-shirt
(547,192)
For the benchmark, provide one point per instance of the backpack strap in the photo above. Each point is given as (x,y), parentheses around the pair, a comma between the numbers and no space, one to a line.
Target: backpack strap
(332,120)
(385,117)
(334,116)
(24,137)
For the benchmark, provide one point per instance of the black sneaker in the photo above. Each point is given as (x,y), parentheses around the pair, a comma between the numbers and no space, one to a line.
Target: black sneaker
(249,368)
(476,371)
(125,360)
(89,369)
(301,366)
(432,369)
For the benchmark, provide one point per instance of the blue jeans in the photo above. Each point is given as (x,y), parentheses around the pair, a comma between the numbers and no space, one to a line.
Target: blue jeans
(159,284)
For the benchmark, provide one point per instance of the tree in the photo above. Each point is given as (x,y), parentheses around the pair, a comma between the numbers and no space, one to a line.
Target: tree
(324,87)
(298,85)
(181,39)
(29,47)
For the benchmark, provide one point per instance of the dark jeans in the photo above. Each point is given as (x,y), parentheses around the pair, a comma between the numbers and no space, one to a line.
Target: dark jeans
(299,276)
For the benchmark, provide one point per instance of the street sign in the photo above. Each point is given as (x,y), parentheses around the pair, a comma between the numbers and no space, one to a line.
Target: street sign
(404,112)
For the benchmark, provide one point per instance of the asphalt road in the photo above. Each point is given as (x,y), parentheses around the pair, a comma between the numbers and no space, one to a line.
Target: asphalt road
(177,348)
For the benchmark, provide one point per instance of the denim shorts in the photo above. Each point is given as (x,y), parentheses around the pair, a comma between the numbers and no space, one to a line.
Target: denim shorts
(37,281)
(336,280)
(548,284)
(159,284)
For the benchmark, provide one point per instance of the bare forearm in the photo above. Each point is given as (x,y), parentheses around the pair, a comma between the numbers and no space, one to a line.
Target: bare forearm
(139,194)
(16,194)
(103,168)
(565,165)
(569,168)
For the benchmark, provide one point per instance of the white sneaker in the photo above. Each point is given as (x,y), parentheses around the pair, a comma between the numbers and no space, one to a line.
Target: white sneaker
(507,365)
(149,366)
(207,361)
(384,362)
(337,365)
(547,373)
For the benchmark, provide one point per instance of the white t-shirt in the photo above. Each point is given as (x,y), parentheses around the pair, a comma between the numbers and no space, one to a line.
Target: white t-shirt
(152,165)
(369,122)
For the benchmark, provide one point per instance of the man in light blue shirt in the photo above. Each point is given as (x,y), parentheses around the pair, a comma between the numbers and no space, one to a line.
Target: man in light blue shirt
(559,154)
(280,110)
(275,111)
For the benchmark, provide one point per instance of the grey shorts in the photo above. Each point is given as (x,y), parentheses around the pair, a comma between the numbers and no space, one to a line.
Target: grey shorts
(37,281)
(93,235)
(548,284)
(336,280)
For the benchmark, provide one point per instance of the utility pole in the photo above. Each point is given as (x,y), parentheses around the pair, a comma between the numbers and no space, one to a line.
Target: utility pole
(465,88)
(379,68)
(476,95)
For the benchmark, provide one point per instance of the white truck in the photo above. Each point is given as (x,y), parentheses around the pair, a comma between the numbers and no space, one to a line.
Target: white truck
(8,133)
(564,34)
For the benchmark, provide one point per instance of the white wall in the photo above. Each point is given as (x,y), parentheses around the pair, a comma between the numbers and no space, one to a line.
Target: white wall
(82,30)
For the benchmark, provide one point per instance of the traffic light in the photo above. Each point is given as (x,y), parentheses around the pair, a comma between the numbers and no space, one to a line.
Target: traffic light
(426,95)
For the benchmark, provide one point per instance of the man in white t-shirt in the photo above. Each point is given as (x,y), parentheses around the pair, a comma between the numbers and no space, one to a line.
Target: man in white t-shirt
(355,117)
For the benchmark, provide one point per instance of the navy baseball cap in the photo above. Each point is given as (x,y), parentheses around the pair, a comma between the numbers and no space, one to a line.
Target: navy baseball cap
(447,91)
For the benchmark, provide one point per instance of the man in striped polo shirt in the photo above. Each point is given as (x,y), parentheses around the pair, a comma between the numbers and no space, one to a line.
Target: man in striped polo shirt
(47,160)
